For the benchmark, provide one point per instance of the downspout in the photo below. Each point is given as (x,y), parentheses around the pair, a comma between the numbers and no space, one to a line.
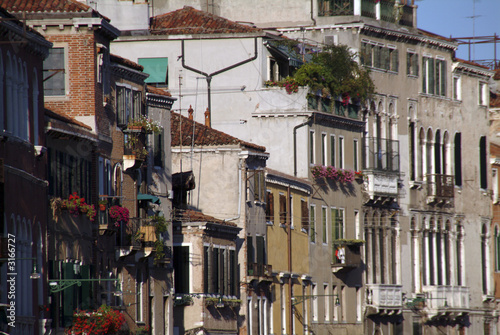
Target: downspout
(239,195)
(295,144)
(289,245)
(312,12)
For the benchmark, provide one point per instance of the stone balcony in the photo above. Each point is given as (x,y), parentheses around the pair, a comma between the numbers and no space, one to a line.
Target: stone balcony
(384,298)
(442,299)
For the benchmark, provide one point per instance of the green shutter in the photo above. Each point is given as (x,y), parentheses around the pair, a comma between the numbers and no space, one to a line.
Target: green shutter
(249,250)
(86,287)
(260,249)
(443,78)
(68,295)
(156,68)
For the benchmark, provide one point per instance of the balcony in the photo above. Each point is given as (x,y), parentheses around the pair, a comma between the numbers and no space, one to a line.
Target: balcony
(385,10)
(346,255)
(260,272)
(446,299)
(440,188)
(134,151)
(384,298)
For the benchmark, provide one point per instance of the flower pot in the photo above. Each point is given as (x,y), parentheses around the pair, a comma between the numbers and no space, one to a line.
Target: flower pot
(102,207)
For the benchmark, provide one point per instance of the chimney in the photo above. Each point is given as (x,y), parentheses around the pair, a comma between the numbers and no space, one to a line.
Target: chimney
(190,112)
(207,118)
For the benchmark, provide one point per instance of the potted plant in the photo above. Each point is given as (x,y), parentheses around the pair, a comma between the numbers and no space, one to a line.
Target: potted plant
(119,214)
(102,204)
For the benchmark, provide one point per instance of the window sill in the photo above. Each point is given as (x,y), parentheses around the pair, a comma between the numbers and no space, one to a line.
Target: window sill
(412,76)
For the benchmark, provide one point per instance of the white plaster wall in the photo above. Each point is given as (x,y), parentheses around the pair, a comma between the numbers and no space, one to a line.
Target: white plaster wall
(124,15)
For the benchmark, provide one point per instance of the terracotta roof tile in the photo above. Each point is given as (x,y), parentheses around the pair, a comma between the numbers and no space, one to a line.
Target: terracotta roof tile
(470,63)
(66,118)
(189,215)
(126,62)
(193,21)
(45,6)
(158,91)
(203,135)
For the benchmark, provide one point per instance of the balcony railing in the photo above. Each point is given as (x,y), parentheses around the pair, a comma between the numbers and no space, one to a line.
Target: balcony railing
(335,7)
(384,296)
(381,154)
(446,297)
(440,186)
(139,232)
(260,270)
(368,8)
(336,107)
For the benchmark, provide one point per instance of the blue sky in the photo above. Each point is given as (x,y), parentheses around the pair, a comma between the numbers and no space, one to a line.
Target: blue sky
(453,18)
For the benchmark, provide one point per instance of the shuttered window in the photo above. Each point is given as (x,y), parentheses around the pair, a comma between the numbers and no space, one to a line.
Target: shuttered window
(269,207)
(283,213)
(304,209)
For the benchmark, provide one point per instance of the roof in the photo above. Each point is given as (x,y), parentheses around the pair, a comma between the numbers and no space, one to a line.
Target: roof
(433,35)
(66,118)
(190,215)
(193,21)
(50,6)
(468,62)
(203,135)
(158,91)
(126,62)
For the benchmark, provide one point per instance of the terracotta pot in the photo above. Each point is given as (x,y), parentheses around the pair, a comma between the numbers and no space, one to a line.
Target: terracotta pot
(102,207)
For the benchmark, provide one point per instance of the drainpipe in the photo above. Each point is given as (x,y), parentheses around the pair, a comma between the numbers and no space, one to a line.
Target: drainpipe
(295,144)
(239,195)
(312,12)
(289,242)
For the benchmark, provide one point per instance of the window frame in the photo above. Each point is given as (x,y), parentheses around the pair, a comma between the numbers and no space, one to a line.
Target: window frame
(65,80)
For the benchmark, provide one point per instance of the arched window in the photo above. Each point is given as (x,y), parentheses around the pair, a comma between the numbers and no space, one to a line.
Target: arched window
(437,152)
(484,258)
(483,163)
(421,154)
(429,152)
(458,159)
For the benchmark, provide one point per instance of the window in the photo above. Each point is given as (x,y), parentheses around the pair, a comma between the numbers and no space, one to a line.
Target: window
(411,63)
(158,148)
(434,76)
(259,185)
(341,152)
(139,303)
(312,158)
(274,70)
(69,174)
(157,68)
(314,310)
(458,159)
(457,88)
(332,150)
(378,56)
(483,94)
(181,268)
(411,132)
(337,223)
(392,59)
(54,73)
(323,149)
(494,181)
(219,271)
(269,207)
(355,154)
(128,105)
(483,163)
(304,209)
(312,224)
(323,221)
(283,212)
(327,302)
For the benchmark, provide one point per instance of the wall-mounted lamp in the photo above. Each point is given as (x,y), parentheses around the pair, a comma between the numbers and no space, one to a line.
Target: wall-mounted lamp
(34,274)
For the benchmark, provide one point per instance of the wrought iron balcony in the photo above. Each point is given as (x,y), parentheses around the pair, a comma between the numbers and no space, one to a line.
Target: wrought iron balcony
(385,297)
(259,270)
(440,187)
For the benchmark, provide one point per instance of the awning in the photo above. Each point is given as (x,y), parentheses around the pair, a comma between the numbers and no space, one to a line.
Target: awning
(148,197)
(156,68)
(284,51)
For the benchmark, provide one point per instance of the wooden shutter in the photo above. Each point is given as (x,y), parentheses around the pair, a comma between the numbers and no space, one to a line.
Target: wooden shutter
(304,209)
(261,250)
(270,207)
(282,209)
